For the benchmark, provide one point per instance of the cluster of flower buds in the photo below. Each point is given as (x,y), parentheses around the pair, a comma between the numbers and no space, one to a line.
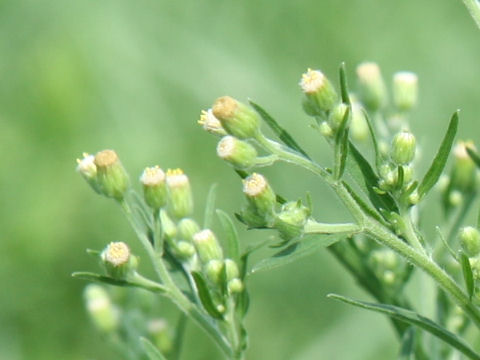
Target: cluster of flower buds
(387,266)
(104,173)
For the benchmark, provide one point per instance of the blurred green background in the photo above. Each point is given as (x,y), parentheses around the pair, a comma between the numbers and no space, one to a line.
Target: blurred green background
(133,76)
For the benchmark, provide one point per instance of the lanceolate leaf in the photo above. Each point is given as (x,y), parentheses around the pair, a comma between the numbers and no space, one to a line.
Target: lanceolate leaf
(438,164)
(210,207)
(467,273)
(341,146)
(373,135)
(413,318)
(297,250)
(204,295)
(231,235)
(344,85)
(93,277)
(278,130)
(151,350)
(474,156)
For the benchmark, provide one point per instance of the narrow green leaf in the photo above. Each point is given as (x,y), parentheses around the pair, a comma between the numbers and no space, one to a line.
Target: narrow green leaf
(400,177)
(341,146)
(445,243)
(210,207)
(243,304)
(440,160)
(94,253)
(297,250)
(282,134)
(373,135)
(178,338)
(231,235)
(93,277)
(204,295)
(474,156)
(151,350)
(407,348)
(467,274)
(365,207)
(413,318)
(343,84)
(363,174)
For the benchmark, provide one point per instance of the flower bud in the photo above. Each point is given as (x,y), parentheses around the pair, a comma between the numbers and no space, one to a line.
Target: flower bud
(236,118)
(259,194)
(358,126)
(470,241)
(154,187)
(319,92)
(336,116)
(405,90)
(211,124)
(372,91)
(213,270)
(291,219)
(87,168)
(235,286)
(100,308)
(403,148)
(184,250)
(168,226)
(231,269)
(239,153)
(111,176)
(463,176)
(207,246)
(118,260)
(179,194)
(162,338)
(187,228)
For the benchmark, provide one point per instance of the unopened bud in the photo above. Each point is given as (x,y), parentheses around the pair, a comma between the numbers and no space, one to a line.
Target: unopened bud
(168,226)
(179,194)
(207,246)
(239,153)
(231,269)
(291,219)
(236,118)
(111,176)
(358,126)
(405,90)
(319,92)
(470,241)
(403,148)
(259,194)
(100,308)
(211,124)
(158,330)
(235,286)
(213,270)
(372,90)
(336,116)
(463,176)
(118,260)
(154,187)
(184,250)
(187,228)
(87,168)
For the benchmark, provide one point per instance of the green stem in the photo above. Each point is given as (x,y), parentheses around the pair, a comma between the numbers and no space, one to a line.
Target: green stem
(474,9)
(174,293)
(313,227)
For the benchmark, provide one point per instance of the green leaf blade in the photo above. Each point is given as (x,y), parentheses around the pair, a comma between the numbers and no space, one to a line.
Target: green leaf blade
(231,235)
(413,318)
(467,274)
(341,146)
(210,207)
(205,297)
(343,84)
(151,350)
(440,160)
(407,348)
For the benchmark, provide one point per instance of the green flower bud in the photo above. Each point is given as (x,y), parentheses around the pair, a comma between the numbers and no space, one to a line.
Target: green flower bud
(168,226)
(184,250)
(236,118)
(154,187)
(325,129)
(403,148)
(100,308)
(319,92)
(231,269)
(463,176)
(111,176)
(470,241)
(213,270)
(211,124)
(259,194)
(118,261)
(187,228)
(291,219)
(358,125)
(87,168)
(372,90)
(336,116)
(207,246)
(405,90)
(179,194)
(235,286)
(161,336)
(239,153)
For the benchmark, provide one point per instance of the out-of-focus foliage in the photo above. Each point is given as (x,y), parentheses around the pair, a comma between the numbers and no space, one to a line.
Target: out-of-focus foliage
(133,75)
